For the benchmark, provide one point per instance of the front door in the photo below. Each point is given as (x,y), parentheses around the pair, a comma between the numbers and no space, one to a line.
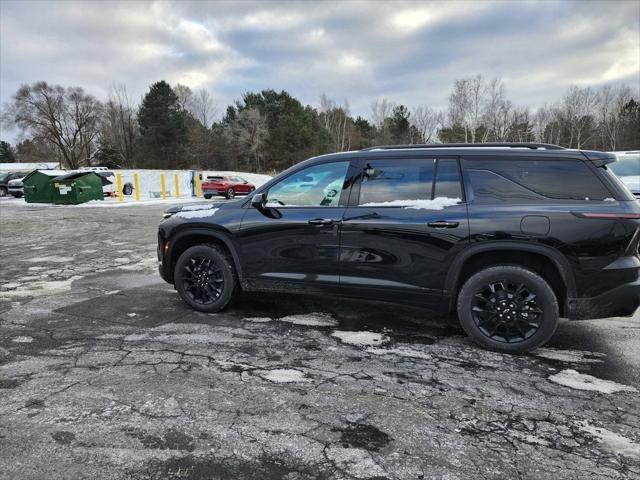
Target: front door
(406,220)
(294,240)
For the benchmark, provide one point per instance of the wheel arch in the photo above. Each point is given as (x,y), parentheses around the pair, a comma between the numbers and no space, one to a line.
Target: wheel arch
(197,236)
(550,263)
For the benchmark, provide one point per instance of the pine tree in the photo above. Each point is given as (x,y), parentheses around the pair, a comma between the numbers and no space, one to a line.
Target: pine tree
(162,128)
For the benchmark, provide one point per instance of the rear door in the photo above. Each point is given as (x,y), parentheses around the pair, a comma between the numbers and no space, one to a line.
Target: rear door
(405,222)
(294,240)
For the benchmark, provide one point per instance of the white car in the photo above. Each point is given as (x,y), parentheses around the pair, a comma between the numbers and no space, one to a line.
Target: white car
(627,168)
(15,187)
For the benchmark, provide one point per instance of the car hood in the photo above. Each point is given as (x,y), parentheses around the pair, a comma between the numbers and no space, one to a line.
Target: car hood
(16,182)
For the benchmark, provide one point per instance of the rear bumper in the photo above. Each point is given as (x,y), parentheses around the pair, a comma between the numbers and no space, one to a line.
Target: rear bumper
(621,301)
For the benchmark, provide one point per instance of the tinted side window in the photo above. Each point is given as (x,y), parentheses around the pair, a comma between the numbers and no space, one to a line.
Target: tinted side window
(530,180)
(447,179)
(389,180)
(317,186)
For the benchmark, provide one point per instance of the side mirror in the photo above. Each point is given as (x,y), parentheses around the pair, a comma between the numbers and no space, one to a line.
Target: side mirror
(258,201)
(245,181)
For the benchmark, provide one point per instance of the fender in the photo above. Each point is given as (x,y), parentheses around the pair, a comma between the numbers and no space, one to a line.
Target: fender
(559,260)
(208,232)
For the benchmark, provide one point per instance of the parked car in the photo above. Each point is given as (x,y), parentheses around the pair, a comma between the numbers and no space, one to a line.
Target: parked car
(507,237)
(227,186)
(627,167)
(109,187)
(15,186)
(5,178)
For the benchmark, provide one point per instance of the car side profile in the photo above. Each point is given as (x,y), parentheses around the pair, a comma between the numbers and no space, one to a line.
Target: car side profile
(505,237)
(227,186)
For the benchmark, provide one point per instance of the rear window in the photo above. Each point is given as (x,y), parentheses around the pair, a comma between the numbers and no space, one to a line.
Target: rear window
(533,180)
(627,165)
(215,179)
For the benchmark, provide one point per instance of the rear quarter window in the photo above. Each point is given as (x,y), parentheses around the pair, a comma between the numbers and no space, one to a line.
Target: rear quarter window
(533,180)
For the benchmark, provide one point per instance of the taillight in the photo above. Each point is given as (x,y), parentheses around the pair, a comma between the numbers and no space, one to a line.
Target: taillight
(609,216)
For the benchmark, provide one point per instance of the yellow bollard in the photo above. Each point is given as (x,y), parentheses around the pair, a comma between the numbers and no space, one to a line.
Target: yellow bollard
(136,186)
(176,184)
(119,187)
(163,187)
(198,189)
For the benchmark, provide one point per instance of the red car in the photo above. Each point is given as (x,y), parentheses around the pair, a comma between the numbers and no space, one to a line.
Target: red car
(227,186)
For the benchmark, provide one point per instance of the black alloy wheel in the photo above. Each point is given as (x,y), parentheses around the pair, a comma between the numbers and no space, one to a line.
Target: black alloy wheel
(508,308)
(205,278)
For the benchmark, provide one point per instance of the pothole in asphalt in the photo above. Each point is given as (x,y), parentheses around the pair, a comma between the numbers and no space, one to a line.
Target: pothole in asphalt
(363,436)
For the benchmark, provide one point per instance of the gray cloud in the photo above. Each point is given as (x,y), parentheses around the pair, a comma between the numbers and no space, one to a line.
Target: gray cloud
(409,52)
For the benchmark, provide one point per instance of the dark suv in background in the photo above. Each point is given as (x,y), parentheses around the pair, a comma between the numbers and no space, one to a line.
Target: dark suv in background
(508,237)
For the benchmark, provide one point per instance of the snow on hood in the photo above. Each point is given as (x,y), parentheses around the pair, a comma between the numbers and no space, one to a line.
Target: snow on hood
(436,204)
(193,212)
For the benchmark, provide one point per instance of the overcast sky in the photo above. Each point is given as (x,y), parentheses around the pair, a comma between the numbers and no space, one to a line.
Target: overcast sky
(409,52)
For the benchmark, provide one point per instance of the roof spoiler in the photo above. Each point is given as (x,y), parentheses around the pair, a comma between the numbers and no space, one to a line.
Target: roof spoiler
(599,159)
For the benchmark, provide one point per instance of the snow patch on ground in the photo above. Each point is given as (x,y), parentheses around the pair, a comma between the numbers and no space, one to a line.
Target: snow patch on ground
(37,289)
(360,339)
(282,375)
(580,381)
(572,356)
(257,319)
(201,213)
(52,258)
(401,352)
(22,339)
(419,204)
(311,320)
(612,441)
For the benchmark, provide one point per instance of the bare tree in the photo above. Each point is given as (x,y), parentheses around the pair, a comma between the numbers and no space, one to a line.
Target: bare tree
(381,109)
(578,107)
(202,107)
(250,130)
(336,119)
(65,118)
(426,121)
(185,96)
(466,104)
(119,126)
(609,104)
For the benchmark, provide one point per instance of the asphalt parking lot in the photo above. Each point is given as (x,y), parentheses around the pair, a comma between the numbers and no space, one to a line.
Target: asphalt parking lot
(105,373)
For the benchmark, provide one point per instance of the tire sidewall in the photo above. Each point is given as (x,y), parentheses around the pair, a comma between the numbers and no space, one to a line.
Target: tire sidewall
(221,262)
(231,193)
(543,290)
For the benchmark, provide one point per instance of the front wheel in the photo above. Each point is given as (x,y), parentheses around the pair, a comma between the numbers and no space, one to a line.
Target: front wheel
(508,308)
(127,189)
(230,193)
(204,278)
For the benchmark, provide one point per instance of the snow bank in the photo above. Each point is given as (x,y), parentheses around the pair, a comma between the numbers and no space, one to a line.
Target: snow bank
(580,381)
(419,204)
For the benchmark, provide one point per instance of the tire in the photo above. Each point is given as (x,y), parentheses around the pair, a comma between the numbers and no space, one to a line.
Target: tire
(17,195)
(3,192)
(127,189)
(221,273)
(506,324)
(230,193)
(207,196)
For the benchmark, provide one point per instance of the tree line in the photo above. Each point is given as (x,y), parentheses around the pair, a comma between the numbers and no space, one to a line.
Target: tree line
(267,131)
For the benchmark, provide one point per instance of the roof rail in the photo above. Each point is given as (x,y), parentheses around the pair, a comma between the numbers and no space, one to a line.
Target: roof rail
(532,146)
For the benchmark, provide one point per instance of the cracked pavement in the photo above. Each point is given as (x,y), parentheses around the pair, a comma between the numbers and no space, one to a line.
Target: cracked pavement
(105,373)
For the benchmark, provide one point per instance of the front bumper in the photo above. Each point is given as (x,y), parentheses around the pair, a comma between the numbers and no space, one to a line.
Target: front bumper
(621,301)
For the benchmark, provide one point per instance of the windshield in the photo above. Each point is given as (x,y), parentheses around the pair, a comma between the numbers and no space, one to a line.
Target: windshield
(626,165)
(3,176)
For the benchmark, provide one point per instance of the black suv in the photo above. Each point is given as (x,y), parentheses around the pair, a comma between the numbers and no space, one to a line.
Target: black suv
(507,236)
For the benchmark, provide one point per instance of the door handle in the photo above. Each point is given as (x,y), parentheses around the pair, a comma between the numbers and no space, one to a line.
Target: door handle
(323,221)
(443,224)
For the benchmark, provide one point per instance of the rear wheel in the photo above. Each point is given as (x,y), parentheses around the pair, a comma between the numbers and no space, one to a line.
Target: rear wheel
(508,308)
(3,192)
(205,278)
(230,193)
(127,189)
(207,196)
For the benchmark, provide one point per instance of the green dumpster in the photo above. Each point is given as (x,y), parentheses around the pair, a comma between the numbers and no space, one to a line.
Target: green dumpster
(78,187)
(37,185)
